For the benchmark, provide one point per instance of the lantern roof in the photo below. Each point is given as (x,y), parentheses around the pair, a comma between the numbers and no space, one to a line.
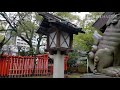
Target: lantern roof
(50,21)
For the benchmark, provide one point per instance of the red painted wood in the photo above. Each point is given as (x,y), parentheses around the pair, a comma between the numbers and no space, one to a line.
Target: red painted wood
(23,65)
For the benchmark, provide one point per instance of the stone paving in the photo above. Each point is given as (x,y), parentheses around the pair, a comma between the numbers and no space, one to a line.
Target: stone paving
(98,75)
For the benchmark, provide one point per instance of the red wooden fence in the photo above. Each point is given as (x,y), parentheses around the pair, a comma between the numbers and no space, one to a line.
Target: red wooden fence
(21,66)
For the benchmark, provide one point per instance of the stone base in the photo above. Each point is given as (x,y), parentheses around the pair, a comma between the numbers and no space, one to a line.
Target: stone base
(97,75)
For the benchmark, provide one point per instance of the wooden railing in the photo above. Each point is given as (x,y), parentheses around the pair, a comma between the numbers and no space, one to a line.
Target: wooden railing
(23,66)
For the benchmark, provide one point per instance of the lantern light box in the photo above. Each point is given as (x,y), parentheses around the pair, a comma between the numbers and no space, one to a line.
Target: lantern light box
(59,33)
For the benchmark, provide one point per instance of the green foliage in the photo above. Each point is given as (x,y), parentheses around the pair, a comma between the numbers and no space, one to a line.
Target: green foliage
(37,17)
(85,41)
(27,29)
(1,37)
(22,53)
(31,51)
(24,25)
(29,22)
(83,63)
(73,57)
(82,41)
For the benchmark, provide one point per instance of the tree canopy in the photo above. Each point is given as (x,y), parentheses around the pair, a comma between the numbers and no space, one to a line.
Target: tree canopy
(25,24)
(85,41)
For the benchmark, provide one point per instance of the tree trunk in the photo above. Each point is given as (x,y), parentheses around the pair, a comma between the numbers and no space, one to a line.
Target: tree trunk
(38,45)
(34,65)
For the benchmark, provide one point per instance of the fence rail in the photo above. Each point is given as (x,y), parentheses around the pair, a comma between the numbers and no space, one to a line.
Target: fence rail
(23,66)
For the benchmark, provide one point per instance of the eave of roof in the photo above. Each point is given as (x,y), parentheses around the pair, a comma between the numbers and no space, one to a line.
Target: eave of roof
(65,25)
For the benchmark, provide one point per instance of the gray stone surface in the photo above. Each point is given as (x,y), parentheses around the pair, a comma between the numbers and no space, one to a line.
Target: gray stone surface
(97,75)
(106,57)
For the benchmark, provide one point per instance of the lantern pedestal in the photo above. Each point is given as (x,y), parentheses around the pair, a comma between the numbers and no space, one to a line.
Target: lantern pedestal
(58,68)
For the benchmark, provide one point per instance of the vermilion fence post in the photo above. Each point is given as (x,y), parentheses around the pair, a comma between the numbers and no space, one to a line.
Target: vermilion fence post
(21,66)
(13,61)
(19,62)
(0,65)
(38,63)
(6,66)
(35,69)
(46,64)
(17,66)
(28,66)
(39,66)
(43,71)
(36,66)
(10,66)
(42,65)
(51,68)
(18,71)
(24,58)
(13,66)
(5,71)
(21,70)
(32,64)
(24,66)
(3,66)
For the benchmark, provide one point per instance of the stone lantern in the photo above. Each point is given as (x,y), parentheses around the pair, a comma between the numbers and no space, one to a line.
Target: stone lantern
(59,34)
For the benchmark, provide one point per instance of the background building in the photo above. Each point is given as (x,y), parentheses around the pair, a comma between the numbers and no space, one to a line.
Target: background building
(24,45)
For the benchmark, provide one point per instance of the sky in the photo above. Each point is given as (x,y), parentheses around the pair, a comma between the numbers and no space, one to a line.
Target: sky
(81,14)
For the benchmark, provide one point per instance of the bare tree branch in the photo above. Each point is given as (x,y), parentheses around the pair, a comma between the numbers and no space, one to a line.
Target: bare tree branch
(31,36)
(4,15)
(24,39)
(27,36)
(2,30)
